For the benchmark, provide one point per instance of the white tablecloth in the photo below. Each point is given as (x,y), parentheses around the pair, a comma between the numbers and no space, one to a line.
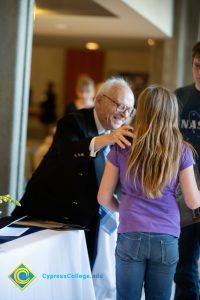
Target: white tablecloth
(47,253)
(105,289)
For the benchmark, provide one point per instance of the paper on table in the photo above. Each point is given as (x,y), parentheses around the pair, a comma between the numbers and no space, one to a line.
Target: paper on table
(12,231)
(41,223)
(7,221)
(50,225)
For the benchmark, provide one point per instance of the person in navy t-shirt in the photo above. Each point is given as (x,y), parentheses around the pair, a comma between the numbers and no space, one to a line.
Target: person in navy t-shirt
(187,277)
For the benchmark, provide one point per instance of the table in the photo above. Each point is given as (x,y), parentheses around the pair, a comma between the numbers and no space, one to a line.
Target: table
(105,289)
(47,253)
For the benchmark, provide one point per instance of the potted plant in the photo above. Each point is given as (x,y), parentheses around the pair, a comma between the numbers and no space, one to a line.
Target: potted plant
(7,198)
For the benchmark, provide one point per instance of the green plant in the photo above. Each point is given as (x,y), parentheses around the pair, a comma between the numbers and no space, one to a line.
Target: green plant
(7,198)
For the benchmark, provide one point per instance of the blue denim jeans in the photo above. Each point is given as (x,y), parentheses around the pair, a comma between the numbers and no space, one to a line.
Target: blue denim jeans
(147,259)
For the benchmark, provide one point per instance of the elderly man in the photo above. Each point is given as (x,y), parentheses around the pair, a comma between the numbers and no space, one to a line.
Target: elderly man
(65,185)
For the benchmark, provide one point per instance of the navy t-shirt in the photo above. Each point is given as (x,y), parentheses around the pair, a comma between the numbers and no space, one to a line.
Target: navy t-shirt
(189,103)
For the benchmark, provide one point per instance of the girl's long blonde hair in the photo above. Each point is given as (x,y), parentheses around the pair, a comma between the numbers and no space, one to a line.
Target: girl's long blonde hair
(156,149)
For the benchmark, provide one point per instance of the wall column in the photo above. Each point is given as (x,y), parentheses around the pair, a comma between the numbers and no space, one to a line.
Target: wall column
(177,51)
(16,30)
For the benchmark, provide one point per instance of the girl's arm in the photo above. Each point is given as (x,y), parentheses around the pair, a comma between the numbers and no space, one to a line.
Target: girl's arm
(189,187)
(107,187)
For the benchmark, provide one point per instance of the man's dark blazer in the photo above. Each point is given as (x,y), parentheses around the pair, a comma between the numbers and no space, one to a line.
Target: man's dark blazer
(64,185)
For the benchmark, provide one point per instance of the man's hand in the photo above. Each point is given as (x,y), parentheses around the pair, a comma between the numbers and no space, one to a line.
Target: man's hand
(118,136)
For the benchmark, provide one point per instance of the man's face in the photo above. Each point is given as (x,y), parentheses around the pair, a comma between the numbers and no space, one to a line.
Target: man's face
(114,107)
(196,71)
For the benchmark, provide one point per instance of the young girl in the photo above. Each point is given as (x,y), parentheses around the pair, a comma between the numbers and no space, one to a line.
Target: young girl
(149,172)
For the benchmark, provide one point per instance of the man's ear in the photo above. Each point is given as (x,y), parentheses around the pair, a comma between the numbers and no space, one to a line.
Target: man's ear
(98,99)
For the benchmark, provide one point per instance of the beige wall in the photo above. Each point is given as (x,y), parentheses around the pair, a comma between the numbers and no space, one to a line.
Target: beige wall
(126,61)
(47,64)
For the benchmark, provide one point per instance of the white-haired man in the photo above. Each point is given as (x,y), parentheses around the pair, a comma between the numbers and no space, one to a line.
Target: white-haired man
(65,185)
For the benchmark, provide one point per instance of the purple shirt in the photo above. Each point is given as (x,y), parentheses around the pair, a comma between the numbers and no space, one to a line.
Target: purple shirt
(137,213)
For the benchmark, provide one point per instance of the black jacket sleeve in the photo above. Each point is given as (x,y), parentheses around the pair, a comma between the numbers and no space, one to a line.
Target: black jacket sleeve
(71,138)
(64,185)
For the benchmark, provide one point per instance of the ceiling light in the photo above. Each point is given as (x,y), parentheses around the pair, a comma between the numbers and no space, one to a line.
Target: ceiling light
(150,42)
(41,12)
(92,46)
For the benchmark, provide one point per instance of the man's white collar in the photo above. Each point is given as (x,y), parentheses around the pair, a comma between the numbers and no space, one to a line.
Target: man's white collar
(100,128)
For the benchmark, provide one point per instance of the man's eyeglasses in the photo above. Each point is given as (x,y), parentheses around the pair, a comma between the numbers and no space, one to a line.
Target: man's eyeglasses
(196,66)
(121,108)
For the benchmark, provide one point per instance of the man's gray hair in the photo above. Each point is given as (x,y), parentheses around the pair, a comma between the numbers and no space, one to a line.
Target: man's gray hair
(112,82)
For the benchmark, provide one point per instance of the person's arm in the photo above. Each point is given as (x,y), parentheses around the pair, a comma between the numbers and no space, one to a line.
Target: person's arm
(189,188)
(107,187)
(120,136)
